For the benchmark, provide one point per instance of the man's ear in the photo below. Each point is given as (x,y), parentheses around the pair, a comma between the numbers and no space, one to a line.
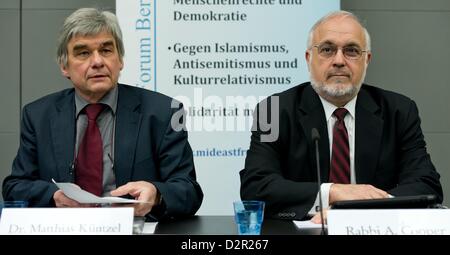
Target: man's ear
(307,57)
(369,57)
(64,71)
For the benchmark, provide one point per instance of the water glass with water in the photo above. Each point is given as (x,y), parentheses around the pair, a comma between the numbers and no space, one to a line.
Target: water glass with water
(249,216)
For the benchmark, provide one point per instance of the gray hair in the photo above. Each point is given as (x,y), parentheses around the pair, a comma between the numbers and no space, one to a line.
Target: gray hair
(85,22)
(333,15)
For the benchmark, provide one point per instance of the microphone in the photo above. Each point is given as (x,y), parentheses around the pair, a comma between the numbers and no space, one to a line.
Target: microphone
(316,137)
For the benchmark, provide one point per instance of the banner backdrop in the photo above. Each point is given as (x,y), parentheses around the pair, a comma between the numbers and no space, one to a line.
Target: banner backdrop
(219,58)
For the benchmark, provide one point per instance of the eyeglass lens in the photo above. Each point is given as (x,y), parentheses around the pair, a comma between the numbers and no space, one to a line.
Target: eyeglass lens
(328,50)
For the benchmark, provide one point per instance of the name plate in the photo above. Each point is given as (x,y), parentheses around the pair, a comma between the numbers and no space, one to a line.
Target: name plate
(67,221)
(389,222)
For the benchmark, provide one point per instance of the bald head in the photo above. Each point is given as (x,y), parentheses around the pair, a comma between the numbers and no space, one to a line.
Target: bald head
(336,17)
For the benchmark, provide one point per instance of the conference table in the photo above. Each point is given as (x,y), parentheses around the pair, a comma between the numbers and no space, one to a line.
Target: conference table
(225,225)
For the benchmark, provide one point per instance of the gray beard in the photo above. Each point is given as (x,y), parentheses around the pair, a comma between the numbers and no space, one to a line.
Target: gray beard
(330,90)
(333,91)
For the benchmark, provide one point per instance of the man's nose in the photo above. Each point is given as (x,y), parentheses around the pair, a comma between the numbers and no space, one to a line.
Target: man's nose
(97,59)
(339,59)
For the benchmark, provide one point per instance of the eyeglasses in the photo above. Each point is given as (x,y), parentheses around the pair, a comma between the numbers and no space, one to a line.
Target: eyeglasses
(328,50)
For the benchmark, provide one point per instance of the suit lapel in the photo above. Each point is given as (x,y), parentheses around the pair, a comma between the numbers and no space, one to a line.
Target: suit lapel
(368,132)
(128,121)
(311,115)
(62,132)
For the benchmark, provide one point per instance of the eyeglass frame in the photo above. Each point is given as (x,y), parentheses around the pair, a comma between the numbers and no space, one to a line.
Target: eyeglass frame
(340,48)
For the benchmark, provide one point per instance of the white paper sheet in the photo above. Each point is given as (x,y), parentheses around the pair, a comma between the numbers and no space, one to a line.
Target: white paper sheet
(81,196)
(307,224)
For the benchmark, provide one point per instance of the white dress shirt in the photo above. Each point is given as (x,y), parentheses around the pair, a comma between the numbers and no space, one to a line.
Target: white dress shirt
(350,125)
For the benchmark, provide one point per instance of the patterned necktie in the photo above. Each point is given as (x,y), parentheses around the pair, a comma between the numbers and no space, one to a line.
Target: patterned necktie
(89,165)
(340,156)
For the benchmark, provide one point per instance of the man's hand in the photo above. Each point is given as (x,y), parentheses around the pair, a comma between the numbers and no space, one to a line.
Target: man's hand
(340,192)
(142,191)
(61,200)
(316,219)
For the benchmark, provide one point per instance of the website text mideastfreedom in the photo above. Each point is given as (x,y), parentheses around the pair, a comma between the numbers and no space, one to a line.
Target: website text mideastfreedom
(224,2)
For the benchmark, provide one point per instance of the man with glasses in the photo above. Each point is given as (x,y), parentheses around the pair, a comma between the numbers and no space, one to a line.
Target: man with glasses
(371,143)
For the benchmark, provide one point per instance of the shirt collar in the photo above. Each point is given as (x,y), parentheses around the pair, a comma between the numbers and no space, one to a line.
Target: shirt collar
(110,99)
(329,108)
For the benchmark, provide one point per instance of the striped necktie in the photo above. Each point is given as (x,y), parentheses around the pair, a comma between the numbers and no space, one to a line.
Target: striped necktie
(340,156)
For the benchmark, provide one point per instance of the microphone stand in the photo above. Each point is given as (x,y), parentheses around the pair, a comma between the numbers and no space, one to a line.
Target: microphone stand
(315,137)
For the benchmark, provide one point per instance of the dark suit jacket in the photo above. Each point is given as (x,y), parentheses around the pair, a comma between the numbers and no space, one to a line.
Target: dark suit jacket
(146,148)
(390,151)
